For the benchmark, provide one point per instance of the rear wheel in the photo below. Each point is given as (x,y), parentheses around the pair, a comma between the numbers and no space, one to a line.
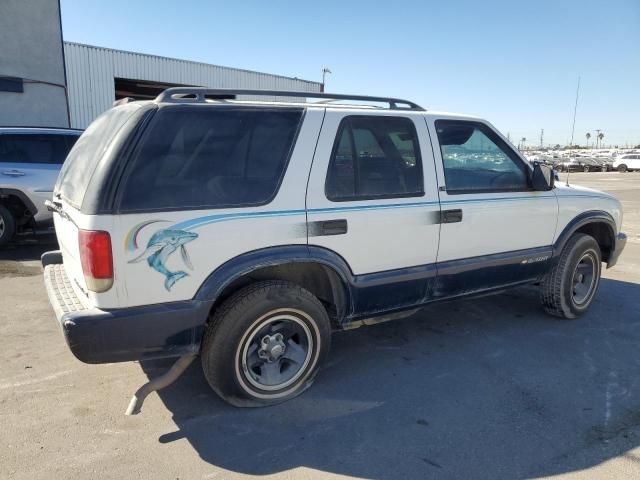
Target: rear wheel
(622,168)
(586,169)
(7,226)
(265,344)
(569,288)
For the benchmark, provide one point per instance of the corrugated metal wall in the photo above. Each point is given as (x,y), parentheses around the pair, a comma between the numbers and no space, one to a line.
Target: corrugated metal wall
(91,72)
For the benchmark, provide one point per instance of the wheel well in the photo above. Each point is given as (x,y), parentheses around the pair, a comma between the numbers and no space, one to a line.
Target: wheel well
(603,235)
(17,207)
(321,280)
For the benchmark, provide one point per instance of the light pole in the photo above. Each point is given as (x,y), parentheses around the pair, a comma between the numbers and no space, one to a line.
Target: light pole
(325,70)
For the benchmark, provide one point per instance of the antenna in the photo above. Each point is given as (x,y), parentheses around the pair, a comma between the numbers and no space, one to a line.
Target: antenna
(573,127)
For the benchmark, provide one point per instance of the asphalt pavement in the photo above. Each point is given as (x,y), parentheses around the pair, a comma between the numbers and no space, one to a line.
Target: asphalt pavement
(490,388)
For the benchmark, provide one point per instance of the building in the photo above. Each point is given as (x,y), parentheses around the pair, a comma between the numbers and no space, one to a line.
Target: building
(47,82)
(32,77)
(97,76)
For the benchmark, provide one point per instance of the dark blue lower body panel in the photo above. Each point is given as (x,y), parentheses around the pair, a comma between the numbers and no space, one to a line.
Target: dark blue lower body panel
(135,333)
(156,331)
(478,274)
(175,329)
(384,292)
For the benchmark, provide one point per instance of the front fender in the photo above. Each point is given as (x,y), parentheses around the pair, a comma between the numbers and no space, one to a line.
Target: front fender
(585,218)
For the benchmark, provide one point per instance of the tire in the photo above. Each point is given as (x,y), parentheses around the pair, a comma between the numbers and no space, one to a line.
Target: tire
(7,226)
(248,348)
(586,169)
(622,168)
(560,295)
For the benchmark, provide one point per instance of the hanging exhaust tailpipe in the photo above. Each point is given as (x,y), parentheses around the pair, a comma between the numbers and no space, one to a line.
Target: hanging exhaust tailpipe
(159,383)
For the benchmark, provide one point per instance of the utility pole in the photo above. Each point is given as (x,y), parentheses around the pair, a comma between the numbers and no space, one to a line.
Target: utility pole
(541,137)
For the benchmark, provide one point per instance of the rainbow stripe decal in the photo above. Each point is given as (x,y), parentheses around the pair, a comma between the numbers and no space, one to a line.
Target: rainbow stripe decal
(131,240)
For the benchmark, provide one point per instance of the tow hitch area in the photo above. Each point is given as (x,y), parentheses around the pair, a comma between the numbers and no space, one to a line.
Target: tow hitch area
(178,368)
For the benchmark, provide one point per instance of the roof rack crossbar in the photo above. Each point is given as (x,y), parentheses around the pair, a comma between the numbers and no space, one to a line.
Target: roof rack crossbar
(201,94)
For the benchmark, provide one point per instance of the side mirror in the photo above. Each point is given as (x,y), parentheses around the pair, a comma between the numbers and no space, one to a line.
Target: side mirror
(543,178)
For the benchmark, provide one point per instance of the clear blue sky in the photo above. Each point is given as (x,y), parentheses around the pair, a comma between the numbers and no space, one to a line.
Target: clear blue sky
(515,63)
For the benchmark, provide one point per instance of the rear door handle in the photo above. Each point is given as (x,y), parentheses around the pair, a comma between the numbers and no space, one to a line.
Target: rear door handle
(329,227)
(13,173)
(451,216)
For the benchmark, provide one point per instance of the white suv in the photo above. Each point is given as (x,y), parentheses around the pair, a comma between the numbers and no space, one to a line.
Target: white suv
(247,231)
(627,162)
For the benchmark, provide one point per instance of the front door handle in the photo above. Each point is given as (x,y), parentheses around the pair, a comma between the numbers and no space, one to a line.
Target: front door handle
(329,227)
(13,173)
(451,216)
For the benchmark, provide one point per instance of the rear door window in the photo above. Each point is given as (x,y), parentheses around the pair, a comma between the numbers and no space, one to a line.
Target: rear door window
(374,157)
(40,148)
(202,157)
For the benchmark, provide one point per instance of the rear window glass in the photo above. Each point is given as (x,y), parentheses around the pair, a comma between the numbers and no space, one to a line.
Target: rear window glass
(210,158)
(84,156)
(30,148)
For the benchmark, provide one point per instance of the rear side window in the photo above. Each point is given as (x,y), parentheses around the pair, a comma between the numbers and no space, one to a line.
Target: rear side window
(30,148)
(201,157)
(82,160)
(476,159)
(375,157)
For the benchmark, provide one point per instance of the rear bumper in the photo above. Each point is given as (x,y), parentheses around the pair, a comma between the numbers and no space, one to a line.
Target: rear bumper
(136,333)
(621,241)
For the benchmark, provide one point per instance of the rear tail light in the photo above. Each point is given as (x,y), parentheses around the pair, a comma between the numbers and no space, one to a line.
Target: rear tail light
(97,259)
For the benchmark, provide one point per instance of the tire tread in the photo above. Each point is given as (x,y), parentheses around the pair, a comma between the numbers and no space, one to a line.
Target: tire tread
(551,285)
(238,302)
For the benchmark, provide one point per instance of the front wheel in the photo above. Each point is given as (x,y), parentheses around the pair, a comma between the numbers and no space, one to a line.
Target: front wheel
(265,344)
(569,288)
(622,168)
(586,169)
(7,226)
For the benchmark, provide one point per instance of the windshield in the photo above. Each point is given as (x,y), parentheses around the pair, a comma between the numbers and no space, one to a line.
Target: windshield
(83,158)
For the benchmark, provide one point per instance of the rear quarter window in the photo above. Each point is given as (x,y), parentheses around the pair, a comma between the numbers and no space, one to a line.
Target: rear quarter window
(202,157)
(84,157)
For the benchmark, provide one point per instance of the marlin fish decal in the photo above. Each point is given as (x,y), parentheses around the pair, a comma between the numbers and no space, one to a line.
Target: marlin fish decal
(160,247)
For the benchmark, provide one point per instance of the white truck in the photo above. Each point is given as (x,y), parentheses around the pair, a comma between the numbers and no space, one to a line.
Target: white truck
(247,231)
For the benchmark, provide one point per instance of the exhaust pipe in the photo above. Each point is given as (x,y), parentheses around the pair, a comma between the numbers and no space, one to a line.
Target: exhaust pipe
(178,368)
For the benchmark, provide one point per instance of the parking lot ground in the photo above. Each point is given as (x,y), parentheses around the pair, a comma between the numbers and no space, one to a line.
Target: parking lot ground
(488,388)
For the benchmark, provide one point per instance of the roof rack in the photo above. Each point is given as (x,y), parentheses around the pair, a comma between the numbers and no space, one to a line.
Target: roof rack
(201,94)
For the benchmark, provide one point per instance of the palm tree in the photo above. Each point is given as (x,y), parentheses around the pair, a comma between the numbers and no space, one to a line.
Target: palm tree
(588,135)
(522,140)
(600,137)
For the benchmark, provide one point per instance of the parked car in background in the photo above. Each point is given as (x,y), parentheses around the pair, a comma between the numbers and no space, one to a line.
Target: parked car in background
(627,163)
(581,164)
(606,163)
(30,160)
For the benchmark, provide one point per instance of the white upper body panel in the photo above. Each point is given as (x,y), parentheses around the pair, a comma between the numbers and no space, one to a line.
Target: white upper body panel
(384,233)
